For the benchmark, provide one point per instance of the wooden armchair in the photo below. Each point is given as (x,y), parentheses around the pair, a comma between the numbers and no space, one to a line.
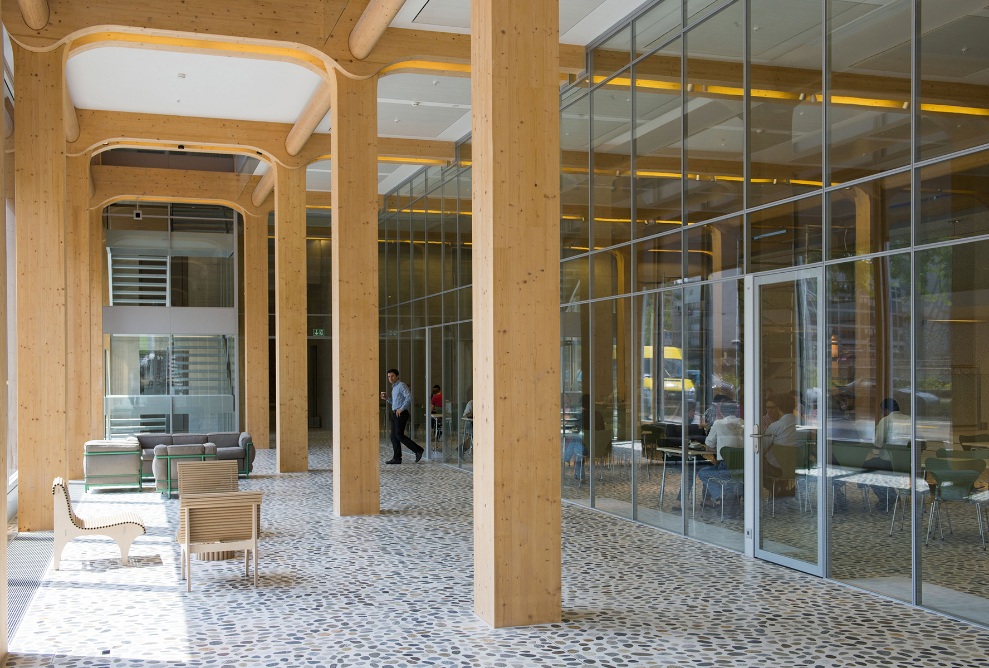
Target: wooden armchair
(121,527)
(199,477)
(219,521)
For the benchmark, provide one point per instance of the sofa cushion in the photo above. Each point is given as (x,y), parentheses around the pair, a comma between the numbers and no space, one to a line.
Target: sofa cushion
(149,441)
(188,439)
(224,439)
(230,453)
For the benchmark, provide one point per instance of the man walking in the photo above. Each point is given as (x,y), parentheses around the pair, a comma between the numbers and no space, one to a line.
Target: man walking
(401,403)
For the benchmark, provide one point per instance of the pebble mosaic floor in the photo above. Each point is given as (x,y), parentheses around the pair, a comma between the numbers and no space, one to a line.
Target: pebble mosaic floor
(396,590)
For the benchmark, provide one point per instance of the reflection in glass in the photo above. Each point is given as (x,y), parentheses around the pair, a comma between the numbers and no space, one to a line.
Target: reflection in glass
(660,385)
(612,272)
(715,373)
(658,131)
(788,396)
(575,135)
(868,111)
(612,55)
(575,425)
(658,262)
(785,119)
(954,107)
(611,141)
(952,202)
(654,28)
(714,115)
(871,217)
(787,235)
(715,250)
(952,330)
(869,353)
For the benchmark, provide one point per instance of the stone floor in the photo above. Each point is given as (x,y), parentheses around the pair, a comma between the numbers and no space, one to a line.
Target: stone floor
(396,590)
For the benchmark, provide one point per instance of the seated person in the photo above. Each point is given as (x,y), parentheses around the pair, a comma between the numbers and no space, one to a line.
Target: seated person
(674,438)
(436,409)
(783,434)
(728,432)
(893,428)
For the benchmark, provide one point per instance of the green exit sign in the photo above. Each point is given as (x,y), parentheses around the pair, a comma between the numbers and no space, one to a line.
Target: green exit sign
(318,332)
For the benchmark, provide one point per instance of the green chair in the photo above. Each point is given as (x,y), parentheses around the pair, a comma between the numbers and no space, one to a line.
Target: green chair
(954,481)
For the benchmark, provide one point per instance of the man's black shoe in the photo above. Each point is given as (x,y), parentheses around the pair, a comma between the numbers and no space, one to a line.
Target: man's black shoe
(419,454)
(394,461)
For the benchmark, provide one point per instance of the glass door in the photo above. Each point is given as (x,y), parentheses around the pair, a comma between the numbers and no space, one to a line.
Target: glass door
(785,401)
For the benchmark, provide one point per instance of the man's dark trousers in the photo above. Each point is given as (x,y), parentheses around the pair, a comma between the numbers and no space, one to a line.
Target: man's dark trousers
(398,425)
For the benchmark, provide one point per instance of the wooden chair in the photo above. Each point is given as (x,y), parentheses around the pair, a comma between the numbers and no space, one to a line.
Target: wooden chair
(219,521)
(199,477)
(122,527)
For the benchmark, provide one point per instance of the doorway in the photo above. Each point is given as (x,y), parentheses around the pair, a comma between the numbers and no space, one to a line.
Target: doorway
(784,408)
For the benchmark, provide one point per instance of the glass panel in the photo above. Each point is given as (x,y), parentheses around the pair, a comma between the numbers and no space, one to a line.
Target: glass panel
(868,113)
(786,235)
(714,373)
(789,379)
(952,200)
(785,119)
(464,224)
(575,132)
(870,217)
(403,277)
(715,250)
(954,106)
(318,276)
(574,283)
(952,332)
(698,9)
(610,411)
(464,409)
(137,391)
(418,250)
(612,55)
(612,272)
(659,385)
(714,116)
(433,227)
(657,26)
(869,325)
(658,128)
(658,262)
(202,248)
(574,421)
(612,160)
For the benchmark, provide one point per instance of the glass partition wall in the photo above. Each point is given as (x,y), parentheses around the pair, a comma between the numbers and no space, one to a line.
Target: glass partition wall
(772,217)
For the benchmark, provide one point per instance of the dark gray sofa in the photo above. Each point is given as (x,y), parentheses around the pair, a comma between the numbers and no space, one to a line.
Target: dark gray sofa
(225,445)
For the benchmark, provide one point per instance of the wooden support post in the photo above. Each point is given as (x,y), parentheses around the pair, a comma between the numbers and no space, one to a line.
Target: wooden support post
(99,291)
(354,243)
(516,297)
(39,134)
(4,138)
(79,283)
(256,403)
(291,390)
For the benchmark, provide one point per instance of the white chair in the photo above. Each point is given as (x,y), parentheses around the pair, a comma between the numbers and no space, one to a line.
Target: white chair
(121,527)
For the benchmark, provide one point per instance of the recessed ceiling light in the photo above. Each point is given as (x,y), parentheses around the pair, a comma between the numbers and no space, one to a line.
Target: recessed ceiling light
(181,75)
(396,120)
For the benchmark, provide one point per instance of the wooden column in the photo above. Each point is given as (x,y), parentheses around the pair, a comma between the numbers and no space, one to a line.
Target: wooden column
(256,390)
(516,299)
(4,421)
(79,304)
(41,311)
(291,390)
(354,243)
(99,290)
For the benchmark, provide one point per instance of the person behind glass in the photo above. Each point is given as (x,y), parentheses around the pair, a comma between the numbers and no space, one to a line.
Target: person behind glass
(713,412)
(401,403)
(576,447)
(728,432)
(436,410)
(695,434)
(781,433)
(887,429)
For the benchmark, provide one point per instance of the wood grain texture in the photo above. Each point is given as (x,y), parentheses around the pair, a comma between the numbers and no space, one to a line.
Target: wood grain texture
(371,26)
(41,305)
(354,248)
(4,405)
(291,390)
(516,278)
(79,363)
(256,364)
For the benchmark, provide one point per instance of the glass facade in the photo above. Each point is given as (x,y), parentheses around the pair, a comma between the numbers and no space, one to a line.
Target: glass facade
(772,317)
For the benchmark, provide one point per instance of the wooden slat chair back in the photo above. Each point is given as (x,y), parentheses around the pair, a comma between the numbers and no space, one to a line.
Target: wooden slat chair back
(219,521)
(198,477)
(123,527)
